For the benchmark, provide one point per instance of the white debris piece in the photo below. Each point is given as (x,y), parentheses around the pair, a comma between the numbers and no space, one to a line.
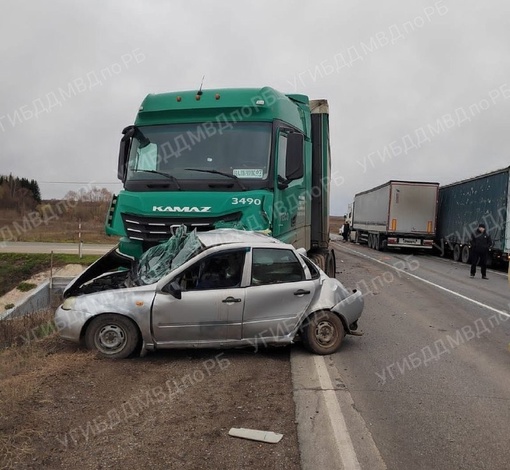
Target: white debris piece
(255,435)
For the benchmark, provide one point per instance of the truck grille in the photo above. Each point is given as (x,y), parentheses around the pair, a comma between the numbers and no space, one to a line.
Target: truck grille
(155,229)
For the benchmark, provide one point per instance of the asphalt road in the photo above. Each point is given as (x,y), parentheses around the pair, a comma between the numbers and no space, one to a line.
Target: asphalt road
(430,377)
(39,247)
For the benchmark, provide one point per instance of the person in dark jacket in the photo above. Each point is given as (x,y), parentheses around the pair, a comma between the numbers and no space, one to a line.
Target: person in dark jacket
(346,230)
(481,243)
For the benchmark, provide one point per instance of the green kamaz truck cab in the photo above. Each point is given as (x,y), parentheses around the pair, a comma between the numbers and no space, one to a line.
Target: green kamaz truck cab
(254,159)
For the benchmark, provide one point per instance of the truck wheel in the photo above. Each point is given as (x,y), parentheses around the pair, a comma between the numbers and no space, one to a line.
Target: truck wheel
(319,260)
(323,333)
(377,244)
(456,252)
(330,264)
(384,245)
(465,254)
(370,241)
(112,336)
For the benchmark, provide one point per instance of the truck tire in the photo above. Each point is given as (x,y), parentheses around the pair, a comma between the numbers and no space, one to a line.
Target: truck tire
(384,244)
(465,254)
(377,243)
(319,260)
(456,252)
(330,264)
(112,336)
(323,333)
(370,241)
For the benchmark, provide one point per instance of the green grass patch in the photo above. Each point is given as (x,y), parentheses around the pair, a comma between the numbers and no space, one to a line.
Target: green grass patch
(26,286)
(17,267)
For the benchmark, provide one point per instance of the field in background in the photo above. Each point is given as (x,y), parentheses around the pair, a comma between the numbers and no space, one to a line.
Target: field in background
(335,222)
(58,221)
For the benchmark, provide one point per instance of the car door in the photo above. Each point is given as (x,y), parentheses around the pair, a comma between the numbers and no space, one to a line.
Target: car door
(211,305)
(278,294)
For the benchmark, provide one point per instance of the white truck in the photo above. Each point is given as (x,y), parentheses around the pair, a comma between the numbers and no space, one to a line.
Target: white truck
(397,214)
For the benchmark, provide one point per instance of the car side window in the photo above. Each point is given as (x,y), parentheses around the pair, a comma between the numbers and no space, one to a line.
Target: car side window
(272,266)
(219,271)
(313,269)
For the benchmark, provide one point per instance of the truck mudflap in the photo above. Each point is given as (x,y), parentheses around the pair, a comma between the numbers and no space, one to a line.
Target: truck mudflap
(350,310)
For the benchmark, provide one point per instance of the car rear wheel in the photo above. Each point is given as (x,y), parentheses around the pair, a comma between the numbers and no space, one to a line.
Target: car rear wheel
(112,336)
(323,333)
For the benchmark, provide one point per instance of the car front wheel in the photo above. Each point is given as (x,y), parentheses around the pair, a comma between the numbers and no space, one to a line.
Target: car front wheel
(323,333)
(112,336)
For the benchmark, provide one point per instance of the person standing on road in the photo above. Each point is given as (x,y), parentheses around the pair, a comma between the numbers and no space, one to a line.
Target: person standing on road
(346,228)
(481,243)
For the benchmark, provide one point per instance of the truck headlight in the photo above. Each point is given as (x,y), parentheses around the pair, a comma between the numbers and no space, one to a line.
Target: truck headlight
(69,303)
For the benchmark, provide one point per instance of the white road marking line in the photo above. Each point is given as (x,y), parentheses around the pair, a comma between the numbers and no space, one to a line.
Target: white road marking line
(469,299)
(336,418)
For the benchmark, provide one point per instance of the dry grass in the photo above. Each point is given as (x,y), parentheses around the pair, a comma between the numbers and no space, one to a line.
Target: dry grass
(26,329)
(16,446)
(32,354)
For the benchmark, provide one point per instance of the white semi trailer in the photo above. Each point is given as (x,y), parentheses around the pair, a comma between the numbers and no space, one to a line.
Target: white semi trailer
(397,214)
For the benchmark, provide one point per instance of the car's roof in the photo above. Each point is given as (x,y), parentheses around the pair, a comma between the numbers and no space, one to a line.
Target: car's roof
(229,235)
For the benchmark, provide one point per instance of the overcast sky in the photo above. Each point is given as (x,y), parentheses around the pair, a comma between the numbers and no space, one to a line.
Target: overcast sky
(418,90)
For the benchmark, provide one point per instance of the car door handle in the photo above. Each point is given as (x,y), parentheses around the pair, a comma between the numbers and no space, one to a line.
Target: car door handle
(230,299)
(301,292)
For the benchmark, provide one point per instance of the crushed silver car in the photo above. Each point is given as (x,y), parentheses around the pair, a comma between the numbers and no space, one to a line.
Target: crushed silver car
(223,288)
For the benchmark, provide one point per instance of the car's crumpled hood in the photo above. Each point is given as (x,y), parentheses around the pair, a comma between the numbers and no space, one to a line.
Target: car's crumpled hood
(109,262)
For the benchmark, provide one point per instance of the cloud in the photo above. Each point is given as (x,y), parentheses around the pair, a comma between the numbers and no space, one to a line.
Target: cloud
(441,64)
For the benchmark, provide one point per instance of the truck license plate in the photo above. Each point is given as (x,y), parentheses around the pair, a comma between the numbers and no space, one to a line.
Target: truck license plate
(411,241)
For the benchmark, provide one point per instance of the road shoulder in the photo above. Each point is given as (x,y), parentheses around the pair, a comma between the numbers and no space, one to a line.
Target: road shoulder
(331,432)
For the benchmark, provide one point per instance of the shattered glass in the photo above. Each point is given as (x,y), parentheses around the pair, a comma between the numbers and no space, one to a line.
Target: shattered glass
(161,259)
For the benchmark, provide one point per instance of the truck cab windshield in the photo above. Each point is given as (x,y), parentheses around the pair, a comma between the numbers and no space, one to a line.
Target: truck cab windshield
(216,150)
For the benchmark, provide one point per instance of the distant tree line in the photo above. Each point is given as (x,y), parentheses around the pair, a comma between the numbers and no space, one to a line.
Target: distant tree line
(20,194)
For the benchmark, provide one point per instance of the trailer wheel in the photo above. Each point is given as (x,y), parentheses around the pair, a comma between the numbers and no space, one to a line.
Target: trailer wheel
(456,252)
(384,245)
(323,333)
(377,243)
(465,254)
(370,241)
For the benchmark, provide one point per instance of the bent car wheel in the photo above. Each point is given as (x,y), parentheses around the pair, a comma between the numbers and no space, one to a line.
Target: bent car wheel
(323,333)
(112,336)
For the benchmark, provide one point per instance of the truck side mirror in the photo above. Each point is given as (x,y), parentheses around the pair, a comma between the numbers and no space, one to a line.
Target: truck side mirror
(124,151)
(294,156)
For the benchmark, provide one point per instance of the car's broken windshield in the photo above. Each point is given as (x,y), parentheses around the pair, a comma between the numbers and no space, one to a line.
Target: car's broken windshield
(159,260)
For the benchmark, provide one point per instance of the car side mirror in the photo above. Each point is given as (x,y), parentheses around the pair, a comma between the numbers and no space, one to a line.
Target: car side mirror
(173,288)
